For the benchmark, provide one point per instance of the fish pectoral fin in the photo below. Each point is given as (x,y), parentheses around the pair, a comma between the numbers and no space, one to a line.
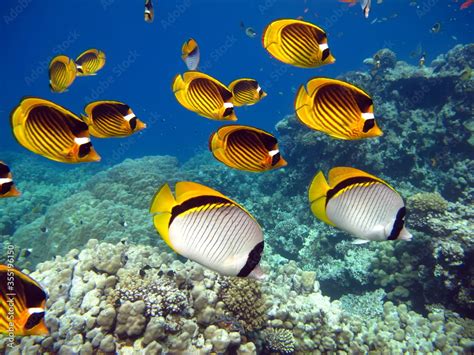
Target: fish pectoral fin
(360,241)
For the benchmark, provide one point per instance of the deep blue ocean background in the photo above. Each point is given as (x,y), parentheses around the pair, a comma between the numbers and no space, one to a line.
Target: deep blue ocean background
(143,58)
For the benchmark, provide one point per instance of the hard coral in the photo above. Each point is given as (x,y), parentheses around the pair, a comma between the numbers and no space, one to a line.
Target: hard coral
(161,296)
(280,341)
(244,299)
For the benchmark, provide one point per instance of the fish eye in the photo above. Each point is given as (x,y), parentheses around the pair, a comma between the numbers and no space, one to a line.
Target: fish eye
(368,125)
(325,54)
(228,111)
(34,320)
(133,123)
(85,149)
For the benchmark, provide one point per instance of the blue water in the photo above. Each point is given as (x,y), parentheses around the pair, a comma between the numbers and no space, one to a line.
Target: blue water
(143,58)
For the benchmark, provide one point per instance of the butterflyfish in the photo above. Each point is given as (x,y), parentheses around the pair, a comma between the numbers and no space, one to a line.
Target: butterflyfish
(7,186)
(204,95)
(62,73)
(207,227)
(361,204)
(52,131)
(298,43)
(90,62)
(246,92)
(149,12)
(111,119)
(246,148)
(22,303)
(190,54)
(336,108)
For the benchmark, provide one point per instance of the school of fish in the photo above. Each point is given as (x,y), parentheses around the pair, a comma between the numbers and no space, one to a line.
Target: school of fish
(197,221)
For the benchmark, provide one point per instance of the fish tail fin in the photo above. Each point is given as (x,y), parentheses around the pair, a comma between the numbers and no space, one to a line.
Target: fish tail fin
(304,109)
(162,204)
(317,197)
(163,201)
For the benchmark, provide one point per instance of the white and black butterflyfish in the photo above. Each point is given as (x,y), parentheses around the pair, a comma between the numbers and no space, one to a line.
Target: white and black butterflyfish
(359,203)
(207,227)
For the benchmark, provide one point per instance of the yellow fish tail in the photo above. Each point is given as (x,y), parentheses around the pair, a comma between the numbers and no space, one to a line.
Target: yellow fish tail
(317,197)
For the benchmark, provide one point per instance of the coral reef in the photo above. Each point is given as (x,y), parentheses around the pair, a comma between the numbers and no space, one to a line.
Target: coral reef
(280,341)
(245,301)
(81,318)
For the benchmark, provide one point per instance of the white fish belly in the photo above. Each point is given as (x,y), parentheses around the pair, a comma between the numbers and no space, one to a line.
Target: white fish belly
(360,209)
(218,238)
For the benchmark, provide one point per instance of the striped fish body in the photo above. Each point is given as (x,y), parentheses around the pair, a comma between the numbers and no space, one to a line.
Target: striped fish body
(90,62)
(62,73)
(298,43)
(7,186)
(246,92)
(209,228)
(52,131)
(191,54)
(246,148)
(27,304)
(111,119)
(149,12)
(360,204)
(336,108)
(204,95)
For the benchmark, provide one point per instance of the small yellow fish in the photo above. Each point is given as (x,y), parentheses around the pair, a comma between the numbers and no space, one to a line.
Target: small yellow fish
(246,148)
(90,62)
(62,73)
(246,92)
(52,131)
(298,43)
(111,119)
(204,95)
(336,108)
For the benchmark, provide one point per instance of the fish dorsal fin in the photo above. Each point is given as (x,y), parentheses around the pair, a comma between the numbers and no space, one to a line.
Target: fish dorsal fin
(317,197)
(228,129)
(186,190)
(341,173)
